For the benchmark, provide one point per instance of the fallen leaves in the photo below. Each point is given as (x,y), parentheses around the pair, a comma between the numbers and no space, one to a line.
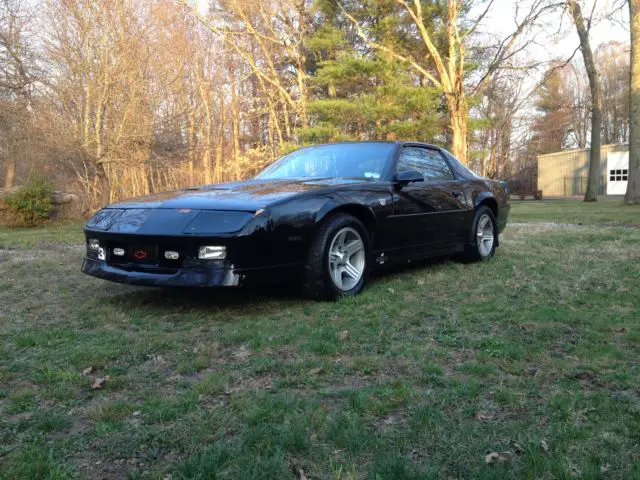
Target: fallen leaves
(494,457)
(583,376)
(343,336)
(297,470)
(242,353)
(99,383)
(485,416)
(96,383)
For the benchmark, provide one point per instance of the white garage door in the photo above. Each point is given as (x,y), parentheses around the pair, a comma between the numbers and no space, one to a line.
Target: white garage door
(617,173)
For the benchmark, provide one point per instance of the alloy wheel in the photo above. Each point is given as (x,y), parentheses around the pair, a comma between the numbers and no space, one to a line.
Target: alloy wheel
(485,235)
(346,258)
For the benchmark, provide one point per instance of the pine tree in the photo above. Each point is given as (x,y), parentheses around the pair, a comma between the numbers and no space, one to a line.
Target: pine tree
(360,94)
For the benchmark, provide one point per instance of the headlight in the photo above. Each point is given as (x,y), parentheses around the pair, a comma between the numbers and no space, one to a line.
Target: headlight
(211,222)
(212,253)
(93,244)
(104,218)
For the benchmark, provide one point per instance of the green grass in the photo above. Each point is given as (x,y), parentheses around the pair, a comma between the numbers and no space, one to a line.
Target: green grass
(604,211)
(534,355)
(54,234)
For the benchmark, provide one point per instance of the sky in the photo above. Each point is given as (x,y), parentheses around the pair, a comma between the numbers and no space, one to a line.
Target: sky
(500,21)
(556,36)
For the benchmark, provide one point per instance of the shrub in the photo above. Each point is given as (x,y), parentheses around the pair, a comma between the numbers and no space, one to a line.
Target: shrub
(31,203)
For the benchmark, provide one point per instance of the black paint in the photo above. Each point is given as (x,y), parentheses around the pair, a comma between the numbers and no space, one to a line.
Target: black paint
(405,221)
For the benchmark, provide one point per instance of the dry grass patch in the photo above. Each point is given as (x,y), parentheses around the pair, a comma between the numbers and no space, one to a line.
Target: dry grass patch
(533,355)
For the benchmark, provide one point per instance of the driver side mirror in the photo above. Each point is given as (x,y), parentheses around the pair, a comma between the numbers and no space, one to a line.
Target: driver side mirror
(409,176)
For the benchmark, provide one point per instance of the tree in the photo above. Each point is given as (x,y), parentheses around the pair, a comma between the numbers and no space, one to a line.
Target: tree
(269,37)
(612,59)
(443,32)
(578,104)
(633,187)
(361,94)
(16,79)
(500,100)
(552,127)
(582,27)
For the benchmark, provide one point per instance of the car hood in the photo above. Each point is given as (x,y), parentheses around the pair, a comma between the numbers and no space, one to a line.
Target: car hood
(250,195)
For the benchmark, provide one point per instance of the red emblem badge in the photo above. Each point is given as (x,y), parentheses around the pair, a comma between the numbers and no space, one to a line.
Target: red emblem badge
(140,254)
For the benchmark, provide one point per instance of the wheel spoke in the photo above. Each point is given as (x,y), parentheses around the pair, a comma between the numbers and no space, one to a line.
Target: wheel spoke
(353,247)
(337,276)
(351,271)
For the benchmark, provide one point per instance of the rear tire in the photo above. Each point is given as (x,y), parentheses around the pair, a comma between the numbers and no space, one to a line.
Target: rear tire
(483,237)
(339,258)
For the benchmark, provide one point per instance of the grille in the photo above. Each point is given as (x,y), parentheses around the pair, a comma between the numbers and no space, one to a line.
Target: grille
(143,255)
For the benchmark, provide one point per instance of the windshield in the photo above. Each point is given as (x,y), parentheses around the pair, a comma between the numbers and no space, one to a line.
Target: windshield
(349,160)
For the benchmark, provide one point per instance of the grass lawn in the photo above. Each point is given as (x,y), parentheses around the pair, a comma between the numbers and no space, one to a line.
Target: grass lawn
(534,356)
(605,211)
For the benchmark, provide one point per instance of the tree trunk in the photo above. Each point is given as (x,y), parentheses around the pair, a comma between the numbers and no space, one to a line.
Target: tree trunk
(208,135)
(191,141)
(458,113)
(633,187)
(593,181)
(10,171)
(105,186)
(235,121)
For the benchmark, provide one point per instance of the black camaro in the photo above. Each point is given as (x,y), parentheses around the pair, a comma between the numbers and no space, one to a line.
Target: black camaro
(323,215)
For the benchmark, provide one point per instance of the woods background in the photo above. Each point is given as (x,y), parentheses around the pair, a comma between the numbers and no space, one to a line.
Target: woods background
(117,98)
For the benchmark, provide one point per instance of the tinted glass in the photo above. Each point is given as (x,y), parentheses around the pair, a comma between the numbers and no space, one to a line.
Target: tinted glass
(459,166)
(428,162)
(348,160)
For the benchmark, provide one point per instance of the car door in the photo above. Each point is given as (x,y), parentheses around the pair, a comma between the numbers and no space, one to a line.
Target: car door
(429,213)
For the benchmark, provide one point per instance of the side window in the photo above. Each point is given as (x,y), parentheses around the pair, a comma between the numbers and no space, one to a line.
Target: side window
(428,162)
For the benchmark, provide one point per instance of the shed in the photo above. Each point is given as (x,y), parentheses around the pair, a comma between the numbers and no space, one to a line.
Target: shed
(564,174)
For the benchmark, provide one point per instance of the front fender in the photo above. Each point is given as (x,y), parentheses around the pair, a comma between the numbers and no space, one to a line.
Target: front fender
(480,197)
(364,212)
(296,222)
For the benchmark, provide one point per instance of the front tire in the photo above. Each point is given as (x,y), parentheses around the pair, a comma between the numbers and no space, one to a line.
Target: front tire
(483,237)
(338,263)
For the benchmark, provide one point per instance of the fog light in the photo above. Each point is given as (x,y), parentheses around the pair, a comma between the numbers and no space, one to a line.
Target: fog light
(212,253)
(94,244)
(118,252)
(171,255)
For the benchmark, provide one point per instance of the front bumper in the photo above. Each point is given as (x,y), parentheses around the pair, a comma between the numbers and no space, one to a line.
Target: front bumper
(222,275)
(201,277)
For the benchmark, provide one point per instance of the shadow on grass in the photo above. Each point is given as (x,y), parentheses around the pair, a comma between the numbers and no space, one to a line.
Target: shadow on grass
(246,298)
(179,299)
